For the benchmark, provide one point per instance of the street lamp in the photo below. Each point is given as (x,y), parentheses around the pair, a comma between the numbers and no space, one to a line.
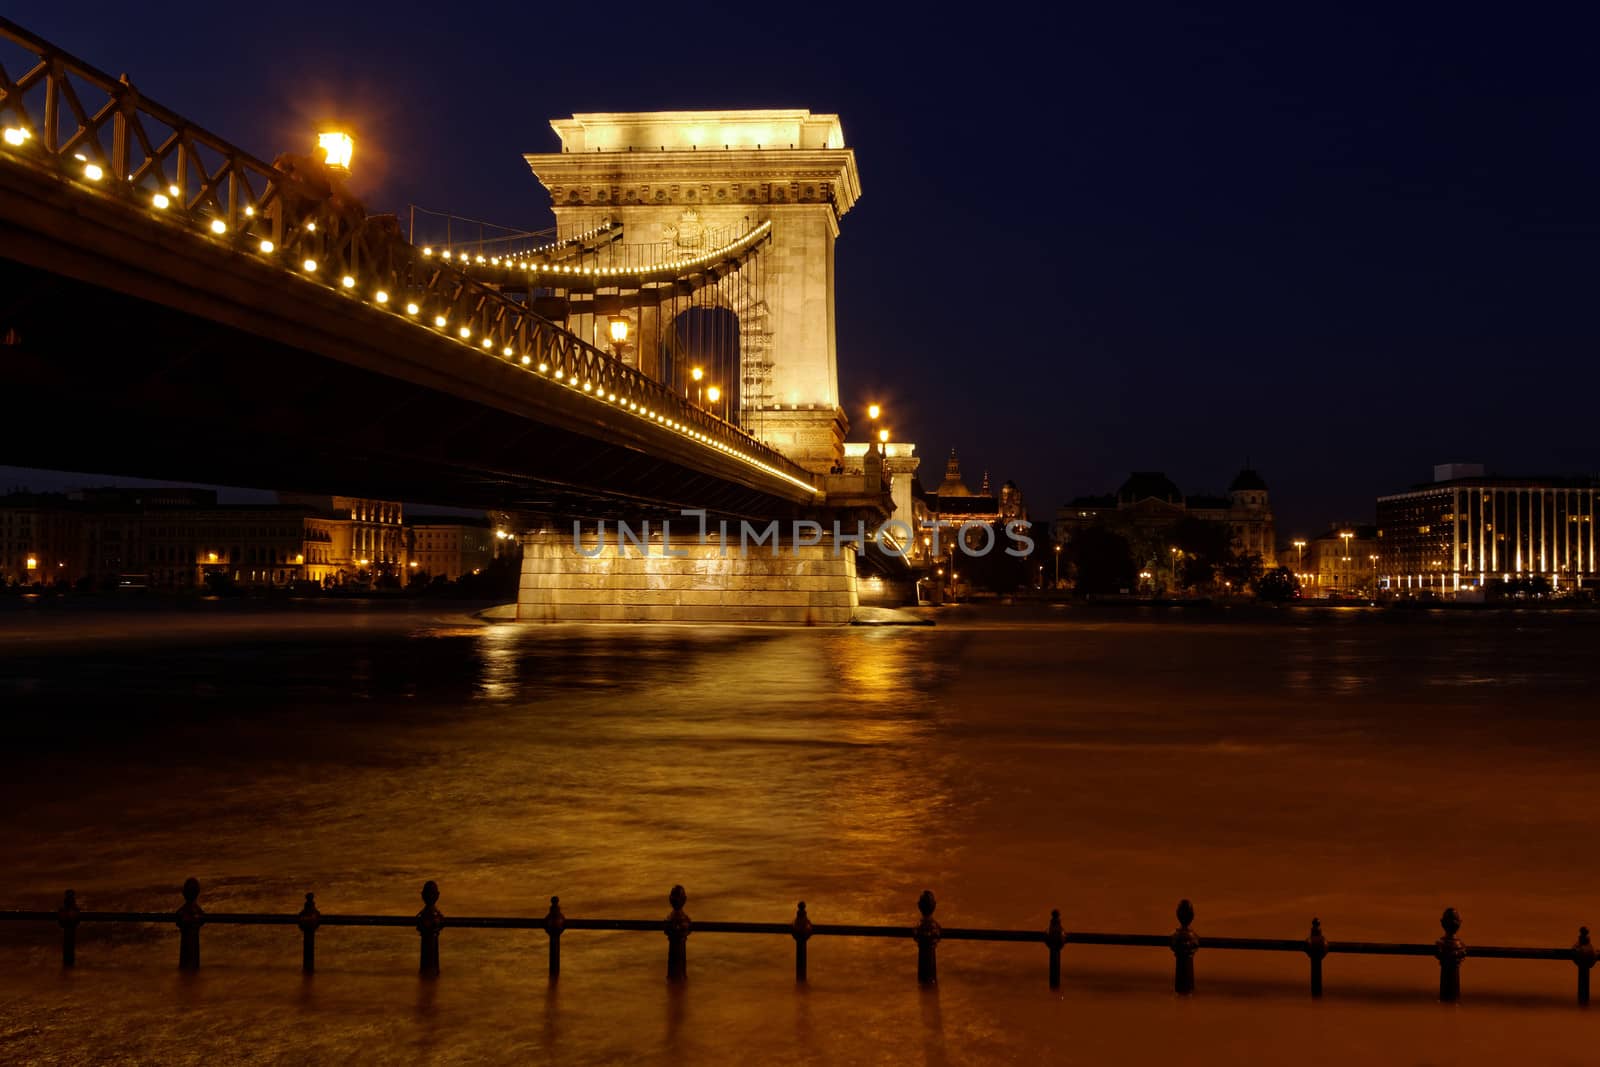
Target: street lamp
(873,411)
(697,373)
(337,148)
(714,394)
(1058,564)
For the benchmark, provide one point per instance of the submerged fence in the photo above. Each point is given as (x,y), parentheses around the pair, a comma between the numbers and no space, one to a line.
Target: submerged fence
(926,933)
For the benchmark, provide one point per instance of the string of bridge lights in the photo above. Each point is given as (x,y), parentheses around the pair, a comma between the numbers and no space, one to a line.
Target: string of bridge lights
(672,266)
(161,201)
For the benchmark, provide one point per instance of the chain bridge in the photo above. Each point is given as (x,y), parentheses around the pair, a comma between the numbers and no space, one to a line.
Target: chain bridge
(173,306)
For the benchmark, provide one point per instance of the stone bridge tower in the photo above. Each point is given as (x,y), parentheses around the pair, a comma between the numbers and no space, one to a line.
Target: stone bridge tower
(672,177)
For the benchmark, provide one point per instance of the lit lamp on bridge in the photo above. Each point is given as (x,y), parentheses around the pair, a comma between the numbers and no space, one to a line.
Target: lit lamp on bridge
(713,394)
(619,335)
(697,374)
(337,148)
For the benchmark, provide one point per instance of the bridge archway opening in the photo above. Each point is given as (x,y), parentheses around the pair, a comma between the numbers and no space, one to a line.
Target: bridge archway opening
(707,338)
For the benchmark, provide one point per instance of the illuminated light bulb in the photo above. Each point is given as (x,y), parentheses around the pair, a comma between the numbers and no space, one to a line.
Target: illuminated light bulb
(445,253)
(487,344)
(381,296)
(544,368)
(249,212)
(412,309)
(174,190)
(480,259)
(506,351)
(529,359)
(348,282)
(464,332)
(439,320)
(588,388)
(310,265)
(560,374)
(612,397)
(267,246)
(16,136)
(427,251)
(311,224)
(160,200)
(93,172)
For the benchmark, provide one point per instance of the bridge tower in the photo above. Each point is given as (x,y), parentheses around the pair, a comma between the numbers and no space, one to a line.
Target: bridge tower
(674,177)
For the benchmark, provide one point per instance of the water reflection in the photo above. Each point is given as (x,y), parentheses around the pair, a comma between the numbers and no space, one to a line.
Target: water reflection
(1105,768)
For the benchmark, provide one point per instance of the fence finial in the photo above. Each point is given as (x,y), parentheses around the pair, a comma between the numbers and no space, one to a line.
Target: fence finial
(190,918)
(308,920)
(800,930)
(67,916)
(1316,948)
(927,933)
(554,923)
(1450,951)
(430,920)
(1185,943)
(677,936)
(1054,938)
(1583,954)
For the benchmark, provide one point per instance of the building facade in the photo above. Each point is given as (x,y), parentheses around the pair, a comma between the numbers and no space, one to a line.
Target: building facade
(1149,502)
(180,537)
(1468,532)
(451,547)
(1341,562)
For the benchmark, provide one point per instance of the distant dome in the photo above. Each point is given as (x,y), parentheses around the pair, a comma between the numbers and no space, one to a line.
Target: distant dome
(1248,481)
(1142,485)
(952,484)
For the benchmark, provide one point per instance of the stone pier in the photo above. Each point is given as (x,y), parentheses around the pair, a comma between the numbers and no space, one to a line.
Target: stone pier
(808,585)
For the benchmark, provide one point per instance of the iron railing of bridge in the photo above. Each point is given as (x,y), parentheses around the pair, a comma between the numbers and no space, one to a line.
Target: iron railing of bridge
(1184,942)
(295,215)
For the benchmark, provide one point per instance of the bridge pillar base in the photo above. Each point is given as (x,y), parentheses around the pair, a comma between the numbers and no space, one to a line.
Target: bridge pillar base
(811,435)
(808,586)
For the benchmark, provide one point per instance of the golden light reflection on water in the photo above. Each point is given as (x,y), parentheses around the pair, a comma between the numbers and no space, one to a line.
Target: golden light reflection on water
(1105,769)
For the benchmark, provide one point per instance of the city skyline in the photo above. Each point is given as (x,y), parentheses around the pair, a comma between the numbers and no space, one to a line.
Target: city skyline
(1250,246)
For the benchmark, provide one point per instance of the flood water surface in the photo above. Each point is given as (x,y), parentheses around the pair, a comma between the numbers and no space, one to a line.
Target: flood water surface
(1365,768)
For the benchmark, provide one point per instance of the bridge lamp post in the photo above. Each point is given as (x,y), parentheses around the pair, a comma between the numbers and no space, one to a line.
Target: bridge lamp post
(714,394)
(697,373)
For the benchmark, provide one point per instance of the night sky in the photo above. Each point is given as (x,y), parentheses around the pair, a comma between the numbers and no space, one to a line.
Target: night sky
(1091,239)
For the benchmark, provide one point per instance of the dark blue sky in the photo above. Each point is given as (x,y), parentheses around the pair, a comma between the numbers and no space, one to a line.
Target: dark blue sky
(1092,238)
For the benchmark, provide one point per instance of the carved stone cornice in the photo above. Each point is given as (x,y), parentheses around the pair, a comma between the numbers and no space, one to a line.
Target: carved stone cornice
(711,177)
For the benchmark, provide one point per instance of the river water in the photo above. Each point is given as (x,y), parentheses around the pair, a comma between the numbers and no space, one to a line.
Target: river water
(1366,768)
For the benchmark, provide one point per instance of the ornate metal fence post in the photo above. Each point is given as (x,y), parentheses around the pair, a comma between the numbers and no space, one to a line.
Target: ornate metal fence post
(554,923)
(68,918)
(927,933)
(1316,948)
(1185,943)
(800,930)
(677,927)
(430,920)
(308,920)
(1054,938)
(190,918)
(1583,954)
(1450,952)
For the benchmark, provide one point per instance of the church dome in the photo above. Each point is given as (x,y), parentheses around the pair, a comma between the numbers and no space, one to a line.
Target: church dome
(1248,481)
